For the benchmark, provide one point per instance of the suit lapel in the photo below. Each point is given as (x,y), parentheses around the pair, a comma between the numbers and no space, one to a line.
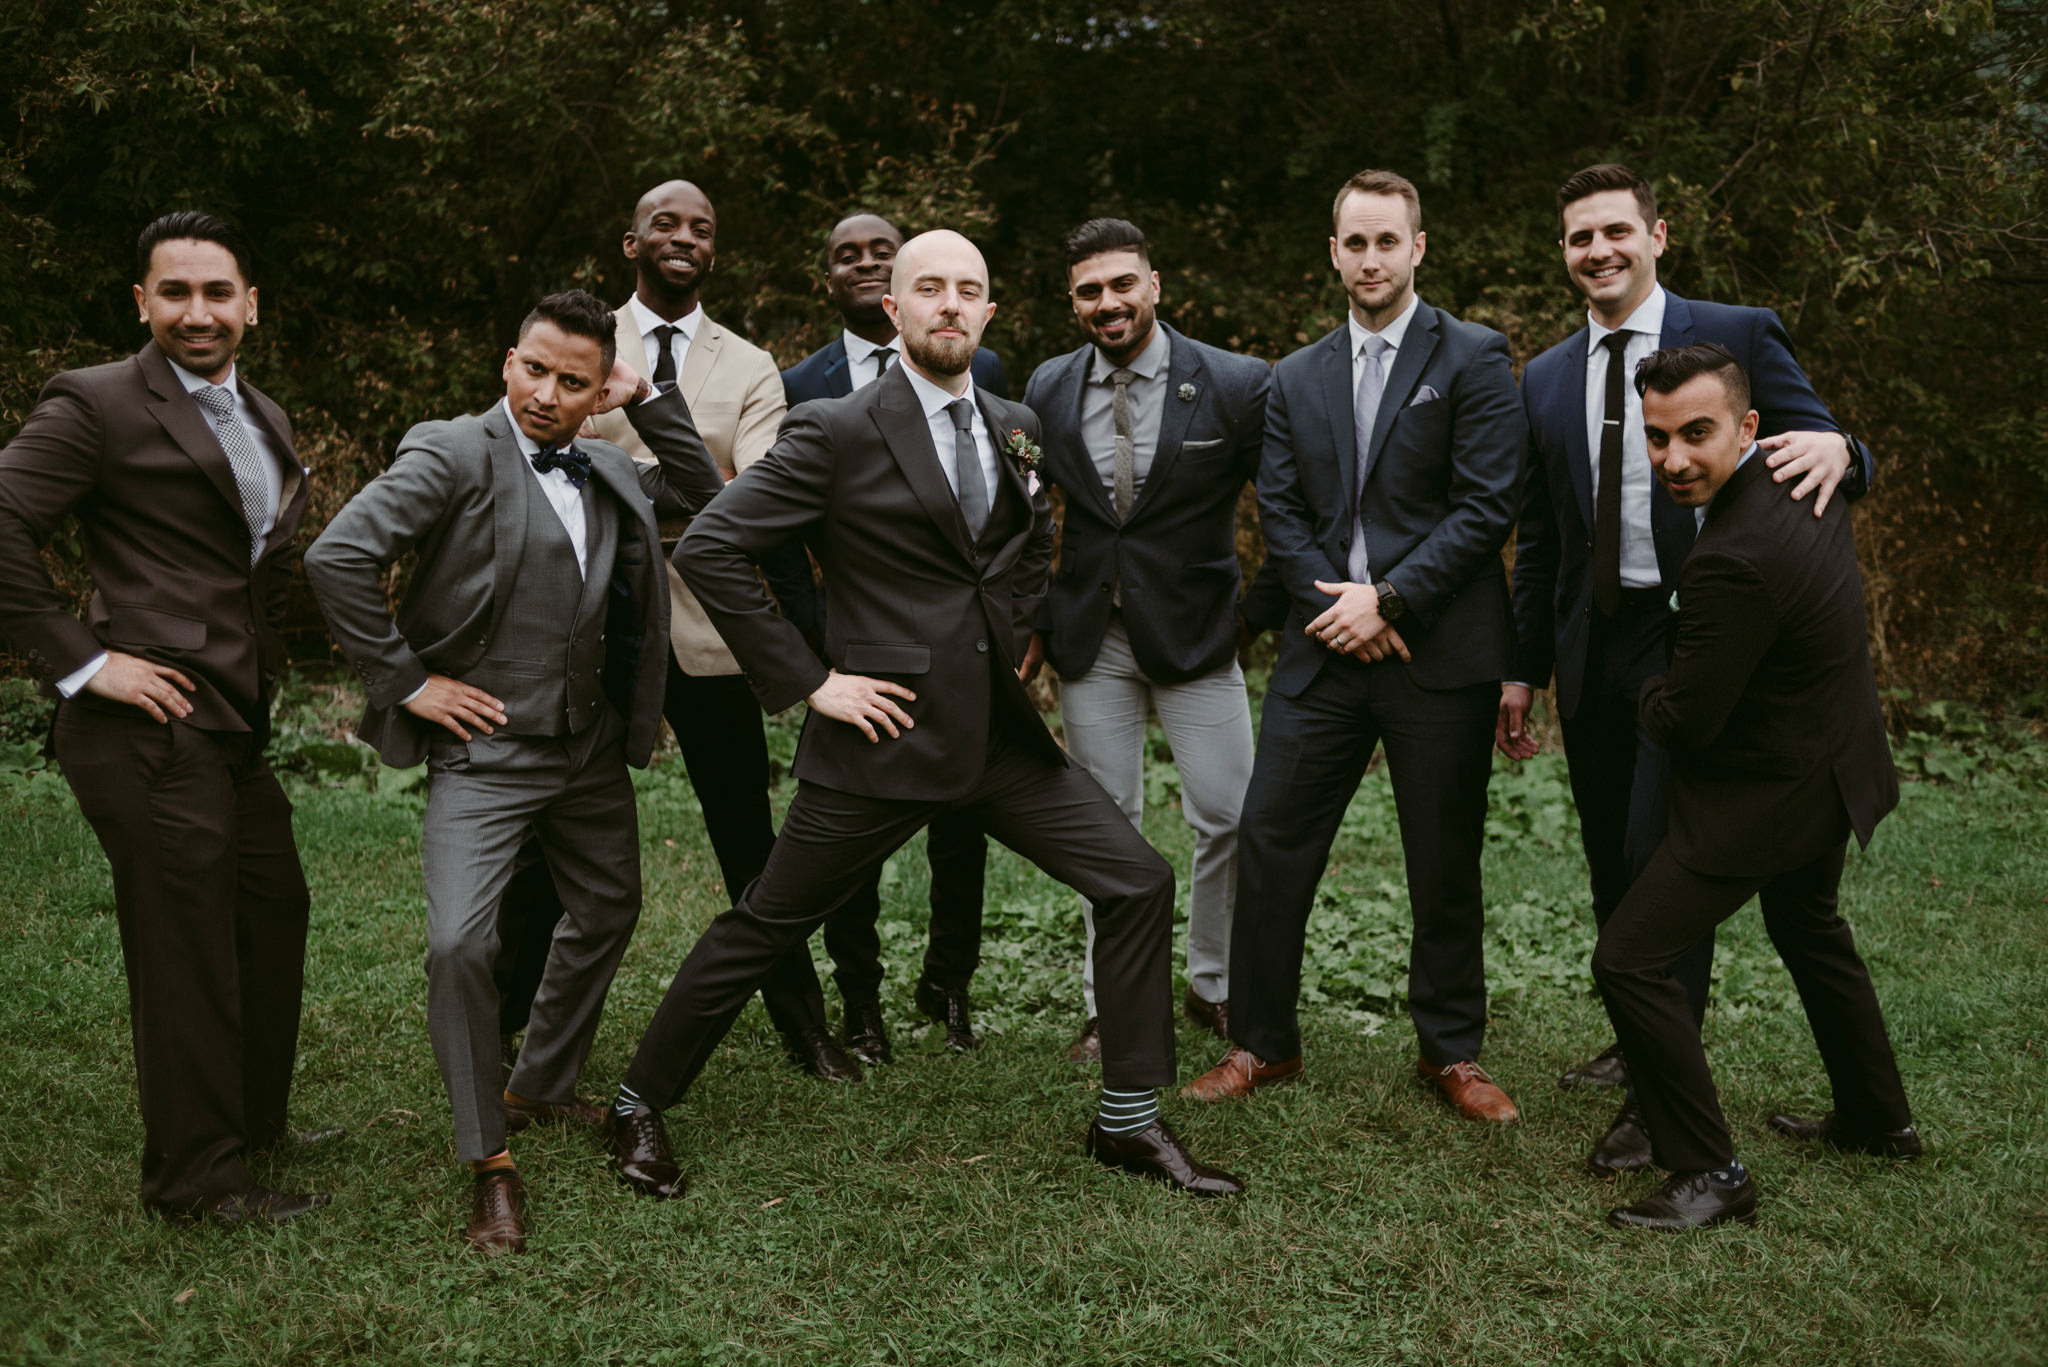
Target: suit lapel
(1070,390)
(630,343)
(292,492)
(1338,401)
(1183,364)
(177,412)
(1572,398)
(838,369)
(1417,346)
(704,349)
(900,419)
(510,488)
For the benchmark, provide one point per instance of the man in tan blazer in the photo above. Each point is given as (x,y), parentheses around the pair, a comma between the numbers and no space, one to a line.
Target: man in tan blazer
(735,397)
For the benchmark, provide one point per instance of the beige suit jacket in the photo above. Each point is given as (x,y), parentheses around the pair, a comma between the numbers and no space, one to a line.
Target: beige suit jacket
(735,396)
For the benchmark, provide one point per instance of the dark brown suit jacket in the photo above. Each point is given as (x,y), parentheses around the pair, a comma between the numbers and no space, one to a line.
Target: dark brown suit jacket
(118,444)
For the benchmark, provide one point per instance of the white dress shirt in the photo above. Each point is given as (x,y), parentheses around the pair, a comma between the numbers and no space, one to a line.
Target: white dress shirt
(863,358)
(1645,326)
(564,497)
(934,399)
(647,320)
(1392,334)
(273,490)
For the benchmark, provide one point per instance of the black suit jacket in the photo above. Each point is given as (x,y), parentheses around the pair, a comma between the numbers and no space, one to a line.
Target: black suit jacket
(1770,709)
(126,448)
(907,597)
(822,374)
(1554,539)
(1176,556)
(1448,446)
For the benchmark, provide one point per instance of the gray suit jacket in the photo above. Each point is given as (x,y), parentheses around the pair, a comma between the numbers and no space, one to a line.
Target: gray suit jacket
(457,494)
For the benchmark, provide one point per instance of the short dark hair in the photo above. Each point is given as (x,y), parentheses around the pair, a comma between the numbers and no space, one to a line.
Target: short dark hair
(1608,175)
(1099,235)
(580,314)
(195,226)
(1380,183)
(1664,371)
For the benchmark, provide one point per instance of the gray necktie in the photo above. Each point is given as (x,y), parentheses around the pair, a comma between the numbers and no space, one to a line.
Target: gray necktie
(973,489)
(1365,409)
(1125,473)
(243,458)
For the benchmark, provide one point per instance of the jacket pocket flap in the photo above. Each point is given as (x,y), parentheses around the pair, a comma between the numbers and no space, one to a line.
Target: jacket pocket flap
(885,657)
(129,624)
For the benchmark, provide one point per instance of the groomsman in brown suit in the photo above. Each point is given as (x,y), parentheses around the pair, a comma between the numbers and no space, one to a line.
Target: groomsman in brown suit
(188,495)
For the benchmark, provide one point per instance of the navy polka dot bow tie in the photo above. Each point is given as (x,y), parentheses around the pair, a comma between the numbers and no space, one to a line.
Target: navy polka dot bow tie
(567,459)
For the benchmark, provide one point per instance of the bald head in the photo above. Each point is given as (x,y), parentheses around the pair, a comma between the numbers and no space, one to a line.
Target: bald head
(672,193)
(938,299)
(941,253)
(672,244)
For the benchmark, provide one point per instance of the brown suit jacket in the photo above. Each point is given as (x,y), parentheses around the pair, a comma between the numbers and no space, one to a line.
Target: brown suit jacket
(127,449)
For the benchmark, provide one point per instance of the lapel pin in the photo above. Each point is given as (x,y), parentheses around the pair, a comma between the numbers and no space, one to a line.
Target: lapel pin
(1187,393)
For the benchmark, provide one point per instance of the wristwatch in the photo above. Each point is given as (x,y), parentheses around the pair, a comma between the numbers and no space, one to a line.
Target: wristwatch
(1392,609)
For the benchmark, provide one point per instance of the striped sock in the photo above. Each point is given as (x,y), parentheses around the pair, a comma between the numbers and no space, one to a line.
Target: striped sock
(627,1101)
(1127,1112)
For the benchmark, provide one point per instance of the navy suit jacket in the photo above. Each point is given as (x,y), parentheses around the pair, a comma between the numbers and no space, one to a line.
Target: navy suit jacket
(1176,555)
(1441,475)
(1554,544)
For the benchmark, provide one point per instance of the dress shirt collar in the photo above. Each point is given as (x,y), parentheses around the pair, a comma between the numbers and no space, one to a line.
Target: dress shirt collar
(859,350)
(1391,334)
(1648,319)
(194,383)
(647,320)
(933,398)
(1146,365)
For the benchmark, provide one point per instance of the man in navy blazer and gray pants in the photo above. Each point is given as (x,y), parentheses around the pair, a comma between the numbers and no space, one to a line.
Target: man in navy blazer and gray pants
(1394,448)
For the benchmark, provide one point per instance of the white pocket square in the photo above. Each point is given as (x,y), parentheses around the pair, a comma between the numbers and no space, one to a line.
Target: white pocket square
(1424,395)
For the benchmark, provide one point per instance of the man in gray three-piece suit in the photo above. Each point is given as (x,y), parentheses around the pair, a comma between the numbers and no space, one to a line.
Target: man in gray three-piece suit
(526,667)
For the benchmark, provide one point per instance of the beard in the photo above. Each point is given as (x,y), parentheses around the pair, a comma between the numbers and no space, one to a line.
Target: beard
(941,356)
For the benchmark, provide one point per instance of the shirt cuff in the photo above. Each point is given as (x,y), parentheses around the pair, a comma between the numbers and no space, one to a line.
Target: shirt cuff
(1517,683)
(81,676)
(414,694)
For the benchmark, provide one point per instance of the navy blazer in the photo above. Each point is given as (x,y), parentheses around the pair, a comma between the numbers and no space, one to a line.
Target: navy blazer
(1446,458)
(1554,545)
(1176,555)
(822,374)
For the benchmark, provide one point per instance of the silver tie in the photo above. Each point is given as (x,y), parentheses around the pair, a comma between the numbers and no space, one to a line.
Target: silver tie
(1124,474)
(243,458)
(1365,409)
(973,489)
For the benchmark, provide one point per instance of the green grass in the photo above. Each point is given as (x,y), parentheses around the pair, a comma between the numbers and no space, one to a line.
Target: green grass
(943,1212)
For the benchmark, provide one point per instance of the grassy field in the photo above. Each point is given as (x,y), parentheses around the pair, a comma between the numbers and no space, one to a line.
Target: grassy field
(943,1212)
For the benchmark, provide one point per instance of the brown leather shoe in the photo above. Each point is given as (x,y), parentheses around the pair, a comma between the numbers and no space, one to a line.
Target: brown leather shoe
(1088,1047)
(1240,1074)
(520,1113)
(1156,1152)
(497,1213)
(1466,1086)
(1211,1016)
(640,1152)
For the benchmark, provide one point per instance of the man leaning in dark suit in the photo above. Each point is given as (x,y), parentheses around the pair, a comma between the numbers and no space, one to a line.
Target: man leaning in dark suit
(1153,436)
(917,496)
(1599,542)
(858,257)
(1394,446)
(526,667)
(188,495)
(1779,752)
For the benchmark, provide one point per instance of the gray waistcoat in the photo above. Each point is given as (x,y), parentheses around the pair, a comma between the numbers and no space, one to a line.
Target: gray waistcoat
(547,661)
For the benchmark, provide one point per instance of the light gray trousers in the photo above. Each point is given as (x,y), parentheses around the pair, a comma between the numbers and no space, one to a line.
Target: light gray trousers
(1208,722)
(484,796)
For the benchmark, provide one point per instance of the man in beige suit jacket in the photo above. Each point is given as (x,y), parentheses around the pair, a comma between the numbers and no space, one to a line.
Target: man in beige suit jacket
(735,398)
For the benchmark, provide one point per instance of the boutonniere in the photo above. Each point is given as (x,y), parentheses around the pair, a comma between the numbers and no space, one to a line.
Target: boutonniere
(1023,450)
(1187,393)
(1674,600)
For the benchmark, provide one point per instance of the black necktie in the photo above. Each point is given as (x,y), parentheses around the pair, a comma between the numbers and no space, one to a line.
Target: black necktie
(1607,500)
(882,361)
(567,459)
(664,377)
(973,488)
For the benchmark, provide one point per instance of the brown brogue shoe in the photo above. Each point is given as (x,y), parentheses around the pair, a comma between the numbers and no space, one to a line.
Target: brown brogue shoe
(1240,1074)
(521,1113)
(1087,1047)
(497,1213)
(1211,1016)
(1465,1085)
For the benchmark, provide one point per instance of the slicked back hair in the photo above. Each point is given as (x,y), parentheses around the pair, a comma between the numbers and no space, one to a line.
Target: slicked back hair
(1674,366)
(1608,175)
(1099,235)
(193,225)
(1379,183)
(580,314)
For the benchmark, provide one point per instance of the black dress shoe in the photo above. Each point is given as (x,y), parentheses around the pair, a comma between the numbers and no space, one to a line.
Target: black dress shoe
(1626,1145)
(640,1153)
(817,1053)
(1157,1153)
(866,1037)
(1211,1016)
(1605,1070)
(261,1205)
(947,1006)
(1690,1200)
(1830,1131)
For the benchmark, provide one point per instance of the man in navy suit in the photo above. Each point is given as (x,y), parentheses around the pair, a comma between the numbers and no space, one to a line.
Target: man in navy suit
(1394,448)
(858,258)
(1600,543)
(1152,436)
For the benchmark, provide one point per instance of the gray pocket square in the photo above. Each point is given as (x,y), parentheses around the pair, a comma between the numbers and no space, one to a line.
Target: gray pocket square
(1424,395)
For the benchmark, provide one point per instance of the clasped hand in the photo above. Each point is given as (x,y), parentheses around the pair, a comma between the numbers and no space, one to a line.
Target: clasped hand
(1353,626)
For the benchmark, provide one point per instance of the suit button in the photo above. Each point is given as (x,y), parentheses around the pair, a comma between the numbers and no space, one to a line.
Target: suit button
(249,627)
(1105,588)
(981,646)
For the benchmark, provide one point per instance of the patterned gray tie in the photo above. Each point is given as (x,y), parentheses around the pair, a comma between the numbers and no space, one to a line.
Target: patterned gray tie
(1125,473)
(243,458)
(973,488)
(1365,409)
